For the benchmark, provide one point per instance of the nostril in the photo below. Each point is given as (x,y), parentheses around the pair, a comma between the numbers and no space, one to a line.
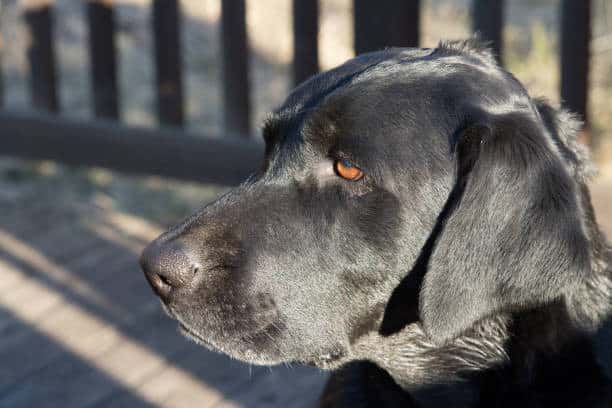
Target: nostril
(163,280)
(160,284)
(196,269)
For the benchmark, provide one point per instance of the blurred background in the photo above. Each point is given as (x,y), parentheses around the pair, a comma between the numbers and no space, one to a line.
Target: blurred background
(119,118)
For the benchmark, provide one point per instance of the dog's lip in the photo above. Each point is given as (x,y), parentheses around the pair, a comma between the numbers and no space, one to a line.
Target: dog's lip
(187,330)
(184,328)
(225,345)
(190,333)
(246,338)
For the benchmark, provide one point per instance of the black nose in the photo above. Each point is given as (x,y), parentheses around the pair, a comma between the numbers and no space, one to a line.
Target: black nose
(167,266)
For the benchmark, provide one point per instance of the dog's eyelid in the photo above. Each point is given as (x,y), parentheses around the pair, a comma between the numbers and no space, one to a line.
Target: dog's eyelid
(336,155)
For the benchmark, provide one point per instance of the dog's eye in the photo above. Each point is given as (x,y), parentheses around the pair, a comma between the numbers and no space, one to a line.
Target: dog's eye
(347,170)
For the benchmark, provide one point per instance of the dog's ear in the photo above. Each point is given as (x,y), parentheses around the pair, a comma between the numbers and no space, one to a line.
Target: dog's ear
(513,237)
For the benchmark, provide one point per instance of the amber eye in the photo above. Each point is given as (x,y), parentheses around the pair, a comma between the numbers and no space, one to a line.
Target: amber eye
(347,170)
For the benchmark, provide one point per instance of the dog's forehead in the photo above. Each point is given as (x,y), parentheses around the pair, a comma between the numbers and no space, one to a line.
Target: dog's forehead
(351,115)
(321,105)
(376,95)
(311,92)
(433,63)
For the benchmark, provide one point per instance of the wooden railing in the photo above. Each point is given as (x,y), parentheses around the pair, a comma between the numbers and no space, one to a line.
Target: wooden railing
(169,151)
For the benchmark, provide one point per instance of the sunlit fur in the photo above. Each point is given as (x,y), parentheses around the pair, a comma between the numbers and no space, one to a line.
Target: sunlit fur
(464,269)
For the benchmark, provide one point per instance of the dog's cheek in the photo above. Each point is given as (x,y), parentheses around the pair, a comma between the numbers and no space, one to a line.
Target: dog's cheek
(375,220)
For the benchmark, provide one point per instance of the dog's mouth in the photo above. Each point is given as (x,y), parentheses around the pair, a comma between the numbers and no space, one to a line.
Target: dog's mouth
(246,347)
(259,346)
(326,361)
(195,336)
(184,328)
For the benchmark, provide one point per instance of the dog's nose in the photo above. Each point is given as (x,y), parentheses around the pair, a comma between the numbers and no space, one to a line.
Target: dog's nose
(167,266)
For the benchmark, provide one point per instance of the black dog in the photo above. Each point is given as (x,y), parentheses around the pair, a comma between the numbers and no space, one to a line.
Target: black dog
(420,223)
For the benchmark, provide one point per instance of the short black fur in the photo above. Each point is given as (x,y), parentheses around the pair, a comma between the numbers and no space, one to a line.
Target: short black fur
(465,269)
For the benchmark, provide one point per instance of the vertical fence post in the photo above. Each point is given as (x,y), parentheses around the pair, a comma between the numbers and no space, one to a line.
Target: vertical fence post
(168,62)
(41,55)
(235,67)
(305,39)
(385,23)
(575,38)
(1,71)
(102,57)
(488,20)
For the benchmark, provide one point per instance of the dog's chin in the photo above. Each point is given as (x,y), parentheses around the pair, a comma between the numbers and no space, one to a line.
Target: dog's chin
(247,352)
(242,349)
(260,347)
(194,336)
(245,347)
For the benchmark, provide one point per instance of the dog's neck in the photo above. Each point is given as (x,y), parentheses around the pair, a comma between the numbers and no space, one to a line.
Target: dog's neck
(525,349)
(418,365)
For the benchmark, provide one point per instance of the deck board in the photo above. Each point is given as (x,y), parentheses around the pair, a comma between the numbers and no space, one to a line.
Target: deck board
(79,326)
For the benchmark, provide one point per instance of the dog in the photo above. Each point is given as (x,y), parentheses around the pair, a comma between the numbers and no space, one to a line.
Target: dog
(422,227)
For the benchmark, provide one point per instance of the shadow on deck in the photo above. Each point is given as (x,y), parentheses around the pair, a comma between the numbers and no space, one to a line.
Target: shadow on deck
(80,327)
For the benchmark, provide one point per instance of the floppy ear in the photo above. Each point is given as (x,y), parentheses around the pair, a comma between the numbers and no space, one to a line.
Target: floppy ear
(514,236)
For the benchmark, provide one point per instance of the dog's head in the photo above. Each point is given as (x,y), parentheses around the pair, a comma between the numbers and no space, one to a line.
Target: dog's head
(426,164)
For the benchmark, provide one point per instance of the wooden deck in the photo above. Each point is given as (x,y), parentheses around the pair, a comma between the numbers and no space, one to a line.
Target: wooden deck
(79,326)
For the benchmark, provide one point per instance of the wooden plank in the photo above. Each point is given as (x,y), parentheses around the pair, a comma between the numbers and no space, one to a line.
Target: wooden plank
(168,62)
(71,382)
(87,361)
(164,152)
(106,360)
(96,347)
(298,386)
(37,304)
(488,21)
(385,23)
(218,371)
(305,39)
(46,240)
(102,57)
(40,216)
(41,54)
(575,37)
(235,67)
(1,70)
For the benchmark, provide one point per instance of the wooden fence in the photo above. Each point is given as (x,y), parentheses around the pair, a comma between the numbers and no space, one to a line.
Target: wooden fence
(169,151)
